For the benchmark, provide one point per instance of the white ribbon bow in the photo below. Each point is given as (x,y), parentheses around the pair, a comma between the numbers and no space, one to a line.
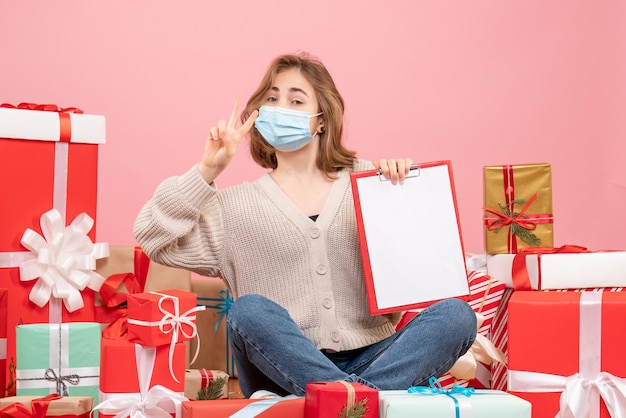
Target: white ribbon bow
(173,322)
(64,260)
(156,402)
(578,391)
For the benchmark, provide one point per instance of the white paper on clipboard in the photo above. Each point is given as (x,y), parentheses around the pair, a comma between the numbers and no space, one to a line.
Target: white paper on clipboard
(412,233)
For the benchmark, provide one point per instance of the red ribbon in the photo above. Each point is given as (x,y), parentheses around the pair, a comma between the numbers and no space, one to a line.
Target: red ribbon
(65,121)
(525,221)
(519,271)
(206,378)
(503,219)
(39,409)
(113,298)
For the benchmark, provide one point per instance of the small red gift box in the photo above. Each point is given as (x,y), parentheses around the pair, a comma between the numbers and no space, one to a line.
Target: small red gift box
(160,318)
(566,352)
(331,399)
(119,372)
(130,373)
(260,408)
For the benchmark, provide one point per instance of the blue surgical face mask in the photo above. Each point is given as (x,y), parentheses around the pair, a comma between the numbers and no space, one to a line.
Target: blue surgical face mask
(285,129)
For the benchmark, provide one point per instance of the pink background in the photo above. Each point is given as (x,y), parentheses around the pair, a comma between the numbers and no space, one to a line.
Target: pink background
(475,82)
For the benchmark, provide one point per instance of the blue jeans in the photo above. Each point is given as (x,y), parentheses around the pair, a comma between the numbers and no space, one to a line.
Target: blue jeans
(271,352)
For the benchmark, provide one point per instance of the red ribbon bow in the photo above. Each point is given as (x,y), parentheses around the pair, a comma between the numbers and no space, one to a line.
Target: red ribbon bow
(520,219)
(43,107)
(113,298)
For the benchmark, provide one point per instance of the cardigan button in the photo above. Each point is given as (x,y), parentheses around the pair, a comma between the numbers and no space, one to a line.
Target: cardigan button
(335,336)
(314,233)
(321,269)
(328,303)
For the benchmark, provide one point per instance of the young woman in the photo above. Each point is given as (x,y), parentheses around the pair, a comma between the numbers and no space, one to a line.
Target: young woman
(287,247)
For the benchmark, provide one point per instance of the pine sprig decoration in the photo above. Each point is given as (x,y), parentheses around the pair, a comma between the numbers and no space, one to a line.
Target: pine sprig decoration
(522,233)
(358,410)
(525,235)
(213,390)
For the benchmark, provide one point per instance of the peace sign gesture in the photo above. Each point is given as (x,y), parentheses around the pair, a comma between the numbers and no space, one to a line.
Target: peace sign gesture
(222,143)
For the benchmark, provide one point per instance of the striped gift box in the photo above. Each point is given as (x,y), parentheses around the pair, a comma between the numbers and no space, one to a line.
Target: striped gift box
(485,297)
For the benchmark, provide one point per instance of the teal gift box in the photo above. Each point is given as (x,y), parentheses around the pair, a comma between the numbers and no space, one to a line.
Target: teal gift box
(476,403)
(58,358)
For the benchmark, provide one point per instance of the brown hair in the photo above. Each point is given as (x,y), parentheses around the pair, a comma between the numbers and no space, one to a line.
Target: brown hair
(332,155)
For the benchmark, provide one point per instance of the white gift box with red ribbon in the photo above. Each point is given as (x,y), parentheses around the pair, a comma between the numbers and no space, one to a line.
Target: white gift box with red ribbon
(547,271)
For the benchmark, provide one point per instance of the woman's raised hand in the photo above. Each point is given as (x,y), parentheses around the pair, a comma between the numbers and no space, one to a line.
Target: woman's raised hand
(394,169)
(222,143)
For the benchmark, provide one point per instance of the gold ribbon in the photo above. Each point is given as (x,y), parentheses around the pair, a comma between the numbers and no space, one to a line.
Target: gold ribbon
(351,394)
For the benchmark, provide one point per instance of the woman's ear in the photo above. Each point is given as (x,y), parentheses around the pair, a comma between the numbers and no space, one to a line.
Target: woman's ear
(321,127)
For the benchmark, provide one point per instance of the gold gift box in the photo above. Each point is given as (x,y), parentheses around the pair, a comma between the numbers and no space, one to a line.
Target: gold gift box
(510,222)
(198,379)
(65,406)
(215,352)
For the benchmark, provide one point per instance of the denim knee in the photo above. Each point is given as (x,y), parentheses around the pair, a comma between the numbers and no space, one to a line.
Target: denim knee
(254,311)
(459,316)
(243,308)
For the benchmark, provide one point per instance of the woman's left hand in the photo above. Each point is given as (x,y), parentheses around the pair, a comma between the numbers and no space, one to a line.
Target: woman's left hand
(394,169)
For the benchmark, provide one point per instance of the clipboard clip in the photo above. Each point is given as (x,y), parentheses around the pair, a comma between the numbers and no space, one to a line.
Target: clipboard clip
(414,171)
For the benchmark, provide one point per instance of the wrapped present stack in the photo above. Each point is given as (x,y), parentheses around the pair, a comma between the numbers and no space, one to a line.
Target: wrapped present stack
(48,174)
(559,320)
(144,371)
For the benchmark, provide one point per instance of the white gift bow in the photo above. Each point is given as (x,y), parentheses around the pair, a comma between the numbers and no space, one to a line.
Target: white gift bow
(482,350)
(65,260)
(173,322)
(156,402)
(581,391)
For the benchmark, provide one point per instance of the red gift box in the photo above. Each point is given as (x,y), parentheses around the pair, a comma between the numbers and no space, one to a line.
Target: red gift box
(131,372)
(38,174)
(568,346)
(260,408)
(474,369)
(164,317)
(330,399)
